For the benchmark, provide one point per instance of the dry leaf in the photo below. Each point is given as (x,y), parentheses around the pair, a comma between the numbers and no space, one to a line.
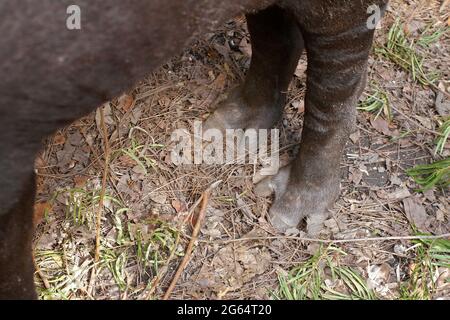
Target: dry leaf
(416,213)
(378,277)
(356,175)
(299,105)
(39,162)
(80,181)
(398,194)
(381,126)
(354,137)
(179,206)
(232,268)
(300,71)
(219,82)
(442,107)
(158,197)
(59,139)
(126,161)
(126,102)
(245,47)
(426,122)
(414,26)
(40,208)
(245,208)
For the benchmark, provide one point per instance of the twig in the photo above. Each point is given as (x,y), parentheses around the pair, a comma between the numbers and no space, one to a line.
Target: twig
(441,236)
(40,273)
(100,204)
(414,122)
(195,232)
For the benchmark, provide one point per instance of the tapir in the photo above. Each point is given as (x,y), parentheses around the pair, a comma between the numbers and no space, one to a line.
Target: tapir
(55,70)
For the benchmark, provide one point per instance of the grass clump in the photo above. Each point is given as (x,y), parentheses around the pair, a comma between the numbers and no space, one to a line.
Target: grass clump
(321,278)
(138,154)
(131,253)
(146,247)
(444,133)
(429,256)
(428,176)
(81,205)
(377,102)
(429,36)
(61,273)
(403,52)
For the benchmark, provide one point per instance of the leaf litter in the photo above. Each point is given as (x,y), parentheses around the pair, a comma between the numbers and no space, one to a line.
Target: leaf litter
(150,200)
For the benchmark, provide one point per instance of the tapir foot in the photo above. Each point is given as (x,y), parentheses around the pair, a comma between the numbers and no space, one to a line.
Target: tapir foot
(237,112)
(297,200)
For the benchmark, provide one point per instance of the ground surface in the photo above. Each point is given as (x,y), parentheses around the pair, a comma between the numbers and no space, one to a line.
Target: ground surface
(149,204)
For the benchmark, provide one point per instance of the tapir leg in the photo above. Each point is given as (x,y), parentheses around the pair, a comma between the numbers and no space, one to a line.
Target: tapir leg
(276,48)
(16,233)
(338,42)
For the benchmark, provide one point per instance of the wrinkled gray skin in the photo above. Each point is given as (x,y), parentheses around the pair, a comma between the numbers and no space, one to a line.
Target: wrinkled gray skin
(51,76)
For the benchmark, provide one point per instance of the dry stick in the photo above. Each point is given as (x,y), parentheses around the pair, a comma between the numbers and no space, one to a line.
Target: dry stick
(100,204)
(40,273)
(190,247)
(97,157)
(157,279)
(415,122)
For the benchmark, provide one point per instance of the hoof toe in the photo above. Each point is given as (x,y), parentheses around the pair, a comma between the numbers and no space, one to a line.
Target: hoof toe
(283,221)
(279,224)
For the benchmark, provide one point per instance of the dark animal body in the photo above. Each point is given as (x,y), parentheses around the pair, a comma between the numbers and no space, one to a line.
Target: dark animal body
(52,75)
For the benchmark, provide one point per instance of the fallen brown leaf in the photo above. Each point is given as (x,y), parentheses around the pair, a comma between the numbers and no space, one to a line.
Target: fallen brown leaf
(40,208)
(220,81)
(245,47)
(126,161)
(299,105)
(381,126)
(59,139)
(80,181)
(126,102)
(158,197)
(179,206)
(416,213)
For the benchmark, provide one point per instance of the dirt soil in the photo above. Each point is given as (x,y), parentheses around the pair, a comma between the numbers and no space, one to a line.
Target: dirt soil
(150,204)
